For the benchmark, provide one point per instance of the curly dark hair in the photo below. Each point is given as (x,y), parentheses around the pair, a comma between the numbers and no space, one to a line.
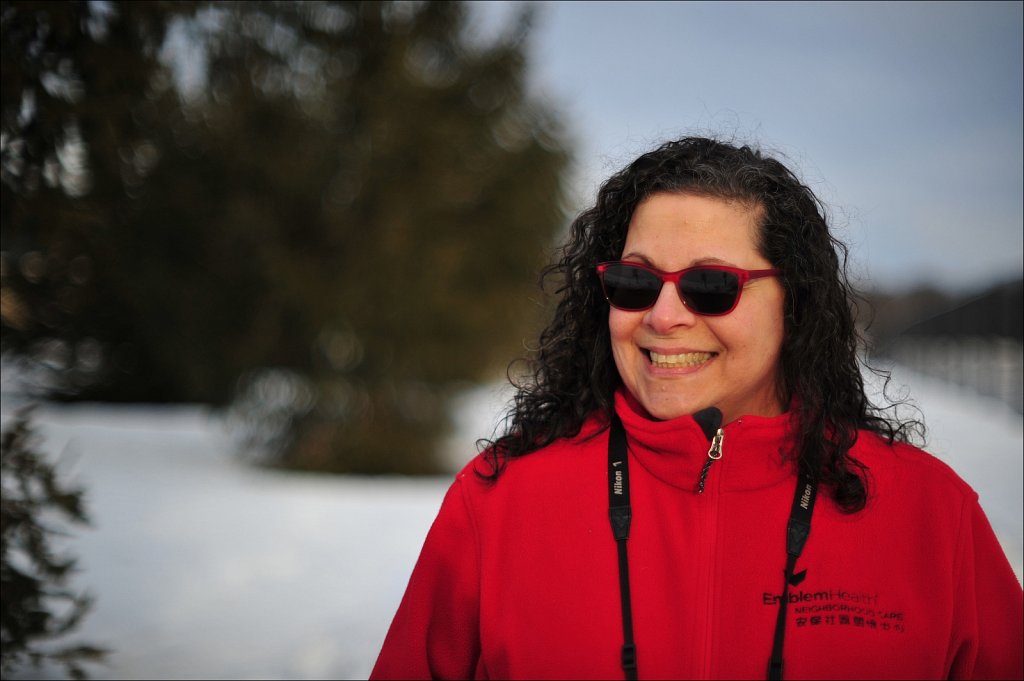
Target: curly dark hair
(572,373)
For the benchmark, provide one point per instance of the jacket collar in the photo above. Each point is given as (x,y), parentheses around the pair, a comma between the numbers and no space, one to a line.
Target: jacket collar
(674,451)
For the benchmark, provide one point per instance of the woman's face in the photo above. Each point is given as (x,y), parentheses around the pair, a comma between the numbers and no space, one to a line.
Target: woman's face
(732,361)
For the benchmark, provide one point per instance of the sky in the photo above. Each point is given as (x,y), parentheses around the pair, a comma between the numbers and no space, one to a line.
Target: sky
(904,118)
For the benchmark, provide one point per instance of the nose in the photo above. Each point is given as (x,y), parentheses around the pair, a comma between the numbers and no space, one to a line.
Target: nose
(668,311)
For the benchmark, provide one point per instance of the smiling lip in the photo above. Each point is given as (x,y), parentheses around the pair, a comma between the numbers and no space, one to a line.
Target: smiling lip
(682,360)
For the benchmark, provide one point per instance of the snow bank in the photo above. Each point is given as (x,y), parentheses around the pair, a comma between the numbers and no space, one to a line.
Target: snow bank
(206,568)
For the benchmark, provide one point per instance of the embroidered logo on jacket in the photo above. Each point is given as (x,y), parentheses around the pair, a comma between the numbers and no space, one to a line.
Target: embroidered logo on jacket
(838,607)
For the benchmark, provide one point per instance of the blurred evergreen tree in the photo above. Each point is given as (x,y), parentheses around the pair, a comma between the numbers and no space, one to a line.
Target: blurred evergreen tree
(75,78)
(38,609)
(330,215)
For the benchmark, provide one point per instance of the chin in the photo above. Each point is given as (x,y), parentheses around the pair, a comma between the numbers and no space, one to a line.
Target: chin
(667,412)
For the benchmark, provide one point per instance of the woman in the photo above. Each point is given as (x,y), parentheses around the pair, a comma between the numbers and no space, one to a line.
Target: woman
(653,510)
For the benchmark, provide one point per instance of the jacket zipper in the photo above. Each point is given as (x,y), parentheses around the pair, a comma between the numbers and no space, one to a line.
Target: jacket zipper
(711,546)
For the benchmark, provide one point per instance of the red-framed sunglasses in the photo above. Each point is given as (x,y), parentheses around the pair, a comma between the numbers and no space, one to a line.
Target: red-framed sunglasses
(709,290)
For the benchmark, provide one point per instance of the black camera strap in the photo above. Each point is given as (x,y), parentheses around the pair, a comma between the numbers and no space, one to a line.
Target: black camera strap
(620,514)
(797,531)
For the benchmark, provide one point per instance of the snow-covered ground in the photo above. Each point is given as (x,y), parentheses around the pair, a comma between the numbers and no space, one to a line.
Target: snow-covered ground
(203,567)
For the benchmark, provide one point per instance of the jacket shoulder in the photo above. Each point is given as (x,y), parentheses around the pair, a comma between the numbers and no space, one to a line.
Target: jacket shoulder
(546,470)
(906,464)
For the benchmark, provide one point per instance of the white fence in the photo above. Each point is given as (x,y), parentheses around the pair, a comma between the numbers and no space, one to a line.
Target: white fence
(988,365)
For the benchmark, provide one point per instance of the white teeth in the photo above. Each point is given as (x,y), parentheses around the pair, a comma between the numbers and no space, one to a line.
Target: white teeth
(687,359)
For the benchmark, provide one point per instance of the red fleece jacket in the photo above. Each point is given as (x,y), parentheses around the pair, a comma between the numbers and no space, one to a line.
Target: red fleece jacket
(518,579)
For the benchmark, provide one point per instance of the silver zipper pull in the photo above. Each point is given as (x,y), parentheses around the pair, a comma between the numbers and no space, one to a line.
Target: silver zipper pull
(716,446)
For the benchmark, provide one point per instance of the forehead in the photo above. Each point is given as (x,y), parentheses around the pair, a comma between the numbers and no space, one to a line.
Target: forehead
(690,228)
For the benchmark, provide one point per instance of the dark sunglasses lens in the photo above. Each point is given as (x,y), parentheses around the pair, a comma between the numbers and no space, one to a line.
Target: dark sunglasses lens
(709,291)
(630,288)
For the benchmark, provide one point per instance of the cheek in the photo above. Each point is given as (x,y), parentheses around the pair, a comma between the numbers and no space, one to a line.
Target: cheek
(766,342)
(775,323)
(755,333)
(621,326)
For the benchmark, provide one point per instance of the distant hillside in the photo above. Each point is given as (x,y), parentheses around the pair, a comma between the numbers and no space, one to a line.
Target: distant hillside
(996,311)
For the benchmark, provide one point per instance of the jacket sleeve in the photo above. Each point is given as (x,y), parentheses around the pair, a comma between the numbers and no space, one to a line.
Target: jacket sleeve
(435,633)
(989,629)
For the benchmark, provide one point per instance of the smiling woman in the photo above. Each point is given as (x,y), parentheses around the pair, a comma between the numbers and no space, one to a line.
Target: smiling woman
(695,391)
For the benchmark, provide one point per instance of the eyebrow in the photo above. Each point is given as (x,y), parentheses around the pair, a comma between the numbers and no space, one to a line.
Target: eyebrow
(709,260)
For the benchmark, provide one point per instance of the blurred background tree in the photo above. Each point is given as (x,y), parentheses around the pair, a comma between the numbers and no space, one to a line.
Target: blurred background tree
(328,216)
(39,608)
